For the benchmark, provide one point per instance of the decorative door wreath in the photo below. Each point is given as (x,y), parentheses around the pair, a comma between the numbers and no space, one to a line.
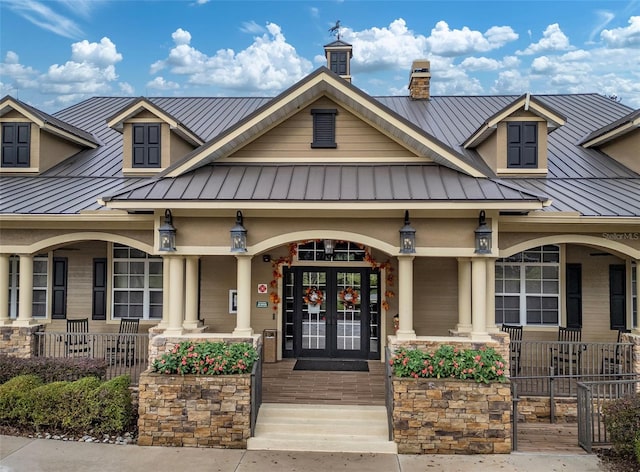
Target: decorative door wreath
(349,297)
(313,296)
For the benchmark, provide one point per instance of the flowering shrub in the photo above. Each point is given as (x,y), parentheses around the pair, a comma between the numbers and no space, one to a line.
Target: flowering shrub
(208,358)
(482,365)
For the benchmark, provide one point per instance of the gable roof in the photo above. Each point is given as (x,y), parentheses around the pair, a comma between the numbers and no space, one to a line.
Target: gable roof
(117,121)
(48,122)
(323,82)
(525,102)
(618,128)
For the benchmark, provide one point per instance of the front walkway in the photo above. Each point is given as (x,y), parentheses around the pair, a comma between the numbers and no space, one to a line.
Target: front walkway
(46,455)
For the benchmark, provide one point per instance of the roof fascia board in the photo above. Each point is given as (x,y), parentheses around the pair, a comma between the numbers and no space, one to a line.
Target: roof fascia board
(565,218)
(47,126)
(117,121)
(613,134)
(326,83)
(525,102)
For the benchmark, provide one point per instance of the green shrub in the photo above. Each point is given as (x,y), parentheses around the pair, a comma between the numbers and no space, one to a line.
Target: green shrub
(15,406)
(52,369)
(207,358)
(637,447)
(622,420)
(69,407)
(482,365)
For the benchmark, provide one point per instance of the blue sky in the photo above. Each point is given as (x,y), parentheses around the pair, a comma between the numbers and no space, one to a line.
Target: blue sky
(57,52)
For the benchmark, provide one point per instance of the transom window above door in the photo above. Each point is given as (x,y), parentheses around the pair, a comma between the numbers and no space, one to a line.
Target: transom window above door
(322,250)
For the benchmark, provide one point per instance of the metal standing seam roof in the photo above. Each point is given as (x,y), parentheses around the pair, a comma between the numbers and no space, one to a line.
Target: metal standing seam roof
(583,180)
(351,183)
(610,127)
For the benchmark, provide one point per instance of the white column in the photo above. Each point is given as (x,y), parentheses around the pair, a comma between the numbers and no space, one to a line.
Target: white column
(166,270)
(4,290)
(25,299)
(464,295)
(479,299)
(405,298)
(191,294)
(243,316)
(176,295)
(491,296)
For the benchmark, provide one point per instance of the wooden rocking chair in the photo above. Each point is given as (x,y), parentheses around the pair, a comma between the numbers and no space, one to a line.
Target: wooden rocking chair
(515,334)
(124,348)
(76,341)
(566,356)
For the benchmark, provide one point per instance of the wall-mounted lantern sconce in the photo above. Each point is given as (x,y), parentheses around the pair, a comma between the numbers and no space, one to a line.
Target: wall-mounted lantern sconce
(238,235)
(407,236)
(266,258)
(167,233)
(483,235)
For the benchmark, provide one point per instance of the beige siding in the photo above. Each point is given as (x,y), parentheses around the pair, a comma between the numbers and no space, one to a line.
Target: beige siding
(625,150)
(179,148)
(292,139)
(435,296)
(218,276)
(54,150)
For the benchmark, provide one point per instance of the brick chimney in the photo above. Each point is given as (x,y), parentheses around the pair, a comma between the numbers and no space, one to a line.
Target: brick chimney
(420,79)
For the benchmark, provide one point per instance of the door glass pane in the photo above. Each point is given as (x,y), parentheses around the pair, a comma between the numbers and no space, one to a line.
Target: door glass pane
(349,310)
(314,319)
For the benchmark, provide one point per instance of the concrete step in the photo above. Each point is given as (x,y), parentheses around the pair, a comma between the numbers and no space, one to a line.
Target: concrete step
(322,428)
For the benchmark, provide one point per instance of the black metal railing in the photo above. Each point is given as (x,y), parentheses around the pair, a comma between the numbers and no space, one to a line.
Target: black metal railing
(388,391)
(256,393)
(123,353)
(592,396)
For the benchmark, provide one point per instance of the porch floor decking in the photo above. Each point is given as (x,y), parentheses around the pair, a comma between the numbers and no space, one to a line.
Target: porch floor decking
(282,384)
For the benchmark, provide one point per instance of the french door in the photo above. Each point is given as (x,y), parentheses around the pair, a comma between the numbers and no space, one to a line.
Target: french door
(331,313)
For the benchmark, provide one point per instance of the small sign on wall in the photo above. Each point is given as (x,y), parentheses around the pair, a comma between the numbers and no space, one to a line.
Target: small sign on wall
(262,288)
(233,301)
(262,304)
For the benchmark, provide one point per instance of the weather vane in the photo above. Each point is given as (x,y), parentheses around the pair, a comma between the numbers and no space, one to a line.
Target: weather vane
(335,30)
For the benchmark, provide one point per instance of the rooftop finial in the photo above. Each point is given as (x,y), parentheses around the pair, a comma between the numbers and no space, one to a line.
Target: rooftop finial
(335,30)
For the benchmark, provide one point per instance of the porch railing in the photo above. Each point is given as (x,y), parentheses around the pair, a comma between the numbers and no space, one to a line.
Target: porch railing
(124,353)
(256,394)
(388,391)
(555,368)
(592,396)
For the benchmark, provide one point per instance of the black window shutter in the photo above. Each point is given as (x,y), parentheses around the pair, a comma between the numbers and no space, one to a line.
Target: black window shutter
(99,306)
(339,63)
(617,296)
(59,305)
(522,144)
(16,144)
(574,295)
(324,128)
(146,145)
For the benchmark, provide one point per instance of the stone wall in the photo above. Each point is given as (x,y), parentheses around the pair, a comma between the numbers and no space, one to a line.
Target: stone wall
(19,341)
(198,411)
(537,410)
(159,343)
(436,416)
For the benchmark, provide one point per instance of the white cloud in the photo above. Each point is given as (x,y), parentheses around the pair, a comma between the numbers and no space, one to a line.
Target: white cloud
(446,42)
(126,88)
(102,54)
(623,37)
(480,63)
(44,17)
(251,27)
(553,39)
(510,82)
(269,64)
(605,17)
(160,84)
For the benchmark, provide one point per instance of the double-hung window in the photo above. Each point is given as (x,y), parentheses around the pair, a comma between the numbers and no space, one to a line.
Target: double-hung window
(137,284)
(40,286)
(146,145)
(16,144)
(528,287)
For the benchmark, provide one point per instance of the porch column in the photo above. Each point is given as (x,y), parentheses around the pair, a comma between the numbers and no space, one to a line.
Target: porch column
(405,298)
(243,316)
(4,291)
(491,296)
(25,298)
(176,295)
(191,294)
(479,299)
(636,330)
(464,295)
(164,322)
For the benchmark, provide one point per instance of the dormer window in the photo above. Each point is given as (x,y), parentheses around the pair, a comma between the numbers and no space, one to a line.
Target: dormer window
(522,145)
(324,128)
(16,144)
(146,145)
